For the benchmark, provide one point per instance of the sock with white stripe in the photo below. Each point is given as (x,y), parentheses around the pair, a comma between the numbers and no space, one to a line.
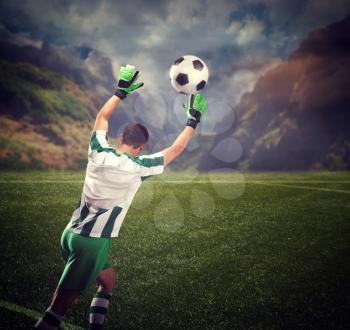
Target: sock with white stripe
(98,309)
(50,321)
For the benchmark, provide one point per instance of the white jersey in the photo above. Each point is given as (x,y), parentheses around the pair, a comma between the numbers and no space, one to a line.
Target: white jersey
(110,185)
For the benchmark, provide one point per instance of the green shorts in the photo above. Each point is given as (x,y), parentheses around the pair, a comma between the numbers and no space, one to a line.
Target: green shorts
(85,257)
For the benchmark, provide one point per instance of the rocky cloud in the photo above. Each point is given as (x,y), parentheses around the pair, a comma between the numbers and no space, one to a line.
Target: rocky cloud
(297,116)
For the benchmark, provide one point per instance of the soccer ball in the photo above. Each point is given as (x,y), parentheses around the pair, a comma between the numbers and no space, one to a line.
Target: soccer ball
(189,74)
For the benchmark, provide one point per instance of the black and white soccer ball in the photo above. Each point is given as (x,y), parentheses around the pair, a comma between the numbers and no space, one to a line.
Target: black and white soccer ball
(189,74)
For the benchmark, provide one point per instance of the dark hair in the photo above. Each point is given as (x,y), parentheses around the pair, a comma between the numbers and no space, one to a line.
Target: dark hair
(134,135)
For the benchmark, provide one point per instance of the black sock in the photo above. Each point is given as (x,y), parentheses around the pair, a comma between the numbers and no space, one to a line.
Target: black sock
(50,321)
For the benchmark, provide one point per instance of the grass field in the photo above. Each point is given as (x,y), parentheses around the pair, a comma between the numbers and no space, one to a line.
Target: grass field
(275,257)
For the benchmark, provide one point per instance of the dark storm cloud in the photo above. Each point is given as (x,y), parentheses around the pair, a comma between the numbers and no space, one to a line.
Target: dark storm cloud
(231,35)
(42,18)
(297,116)
(59,20)
(133,26)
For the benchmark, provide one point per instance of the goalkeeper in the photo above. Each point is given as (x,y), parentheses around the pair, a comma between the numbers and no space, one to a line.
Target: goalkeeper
(113,176)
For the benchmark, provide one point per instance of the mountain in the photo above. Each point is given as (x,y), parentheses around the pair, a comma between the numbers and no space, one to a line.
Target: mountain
(296,118)
(48,99)
(298,115)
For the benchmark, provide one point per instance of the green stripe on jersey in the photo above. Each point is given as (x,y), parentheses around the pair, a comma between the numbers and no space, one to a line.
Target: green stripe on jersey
(147,162)
(87,227)
(108,228)
(78,204)
(96,146)
(150,162)
(94,143)
(83,214)
(143,178)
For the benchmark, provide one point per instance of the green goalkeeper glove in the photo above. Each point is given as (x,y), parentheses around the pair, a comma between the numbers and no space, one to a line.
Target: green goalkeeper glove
(126,81)
(195,110)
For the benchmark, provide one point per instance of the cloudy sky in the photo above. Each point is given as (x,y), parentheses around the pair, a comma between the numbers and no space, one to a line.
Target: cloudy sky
(239,40)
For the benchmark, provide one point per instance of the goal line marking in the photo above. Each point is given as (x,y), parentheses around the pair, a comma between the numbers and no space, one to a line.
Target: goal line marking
(276,183)
(35,315)
(303,187)
(189,181)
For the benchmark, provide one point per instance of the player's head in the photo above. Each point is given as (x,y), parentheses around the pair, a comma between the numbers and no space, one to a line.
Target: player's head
(136,136)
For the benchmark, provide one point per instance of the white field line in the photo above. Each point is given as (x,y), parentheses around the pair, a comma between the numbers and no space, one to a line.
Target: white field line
(278,183)
(248,181)
(189,181)
(32,314)
(41,181)
(303,187)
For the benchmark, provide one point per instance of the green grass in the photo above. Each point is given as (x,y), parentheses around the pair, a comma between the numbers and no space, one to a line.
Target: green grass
(277,257)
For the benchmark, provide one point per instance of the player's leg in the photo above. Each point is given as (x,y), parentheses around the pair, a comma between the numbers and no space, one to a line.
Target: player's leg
(99,305)
(85,258)
(61,301)
(62,298)
(107,279)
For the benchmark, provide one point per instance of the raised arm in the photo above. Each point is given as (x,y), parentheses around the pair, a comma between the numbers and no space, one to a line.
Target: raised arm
(126,84)
(102,117)
(194,111)
(178,146)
